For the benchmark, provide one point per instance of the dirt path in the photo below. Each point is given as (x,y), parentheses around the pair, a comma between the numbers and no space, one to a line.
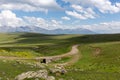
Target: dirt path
(75,56)
(74,53)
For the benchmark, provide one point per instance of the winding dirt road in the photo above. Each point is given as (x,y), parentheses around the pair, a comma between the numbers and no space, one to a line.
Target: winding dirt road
(74,53)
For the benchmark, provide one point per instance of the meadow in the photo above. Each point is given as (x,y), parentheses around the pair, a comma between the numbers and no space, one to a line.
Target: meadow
(100,54)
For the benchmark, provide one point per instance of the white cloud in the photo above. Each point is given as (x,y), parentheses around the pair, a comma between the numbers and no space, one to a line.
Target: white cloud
(29,5)
(81,13)
(33,21)
(8,18)
(104,6)
(42,23)
(65,18)
(54,24)
(75,14)
(118,5)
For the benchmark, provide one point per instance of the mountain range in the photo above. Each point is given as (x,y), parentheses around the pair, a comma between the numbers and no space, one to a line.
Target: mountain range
(45,31)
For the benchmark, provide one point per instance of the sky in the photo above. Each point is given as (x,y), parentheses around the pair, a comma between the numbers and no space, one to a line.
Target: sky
(95,15)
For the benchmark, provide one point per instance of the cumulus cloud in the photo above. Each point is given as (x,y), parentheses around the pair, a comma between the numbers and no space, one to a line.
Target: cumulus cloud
(81,13)
(42,23)
(75,14)
(54,24)
(8,18)
(33,21)
(29,5)
(104,6)
(65,18)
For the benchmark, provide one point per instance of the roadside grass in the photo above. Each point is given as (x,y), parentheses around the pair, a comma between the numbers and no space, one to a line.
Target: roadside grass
(63,60)
(34,51)
(105,66)
(90,75)
(18,53)
(10,69)
(107,60)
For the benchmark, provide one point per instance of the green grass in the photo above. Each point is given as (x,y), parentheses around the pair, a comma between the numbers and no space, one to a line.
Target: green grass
(18,53)
(104,66)
(10,69)
(63,60)
(41,44)
(107,60)
(90,75)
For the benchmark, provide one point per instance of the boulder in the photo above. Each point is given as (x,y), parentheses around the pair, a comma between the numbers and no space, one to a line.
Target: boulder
(43,74)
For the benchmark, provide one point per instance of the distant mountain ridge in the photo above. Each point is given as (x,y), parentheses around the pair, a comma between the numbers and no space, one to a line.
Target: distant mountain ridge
(45,31)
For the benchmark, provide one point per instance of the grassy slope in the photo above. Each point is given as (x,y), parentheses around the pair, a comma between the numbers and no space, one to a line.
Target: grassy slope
(35,43)
(103,66)
(10,69)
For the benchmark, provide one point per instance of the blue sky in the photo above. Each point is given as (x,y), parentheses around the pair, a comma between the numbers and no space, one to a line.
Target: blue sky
(95,15)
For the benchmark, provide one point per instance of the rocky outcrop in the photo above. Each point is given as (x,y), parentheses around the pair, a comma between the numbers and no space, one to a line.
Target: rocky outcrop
(58,70)
(42,74)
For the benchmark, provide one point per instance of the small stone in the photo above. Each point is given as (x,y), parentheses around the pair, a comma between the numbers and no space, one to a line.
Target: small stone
(50,78)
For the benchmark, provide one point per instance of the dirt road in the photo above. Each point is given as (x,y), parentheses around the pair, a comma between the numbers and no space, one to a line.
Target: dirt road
(74,53)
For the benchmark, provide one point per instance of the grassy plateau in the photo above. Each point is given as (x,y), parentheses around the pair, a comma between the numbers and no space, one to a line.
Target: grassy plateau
(100,54)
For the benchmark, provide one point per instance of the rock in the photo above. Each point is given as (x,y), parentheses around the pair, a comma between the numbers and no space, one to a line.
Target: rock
(7,79)
(3,73)
(50,78)
(53,70)
(59,69)
(4,61)
(42,74)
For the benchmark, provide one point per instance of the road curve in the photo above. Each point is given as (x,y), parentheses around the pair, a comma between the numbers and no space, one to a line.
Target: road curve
(74,53)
